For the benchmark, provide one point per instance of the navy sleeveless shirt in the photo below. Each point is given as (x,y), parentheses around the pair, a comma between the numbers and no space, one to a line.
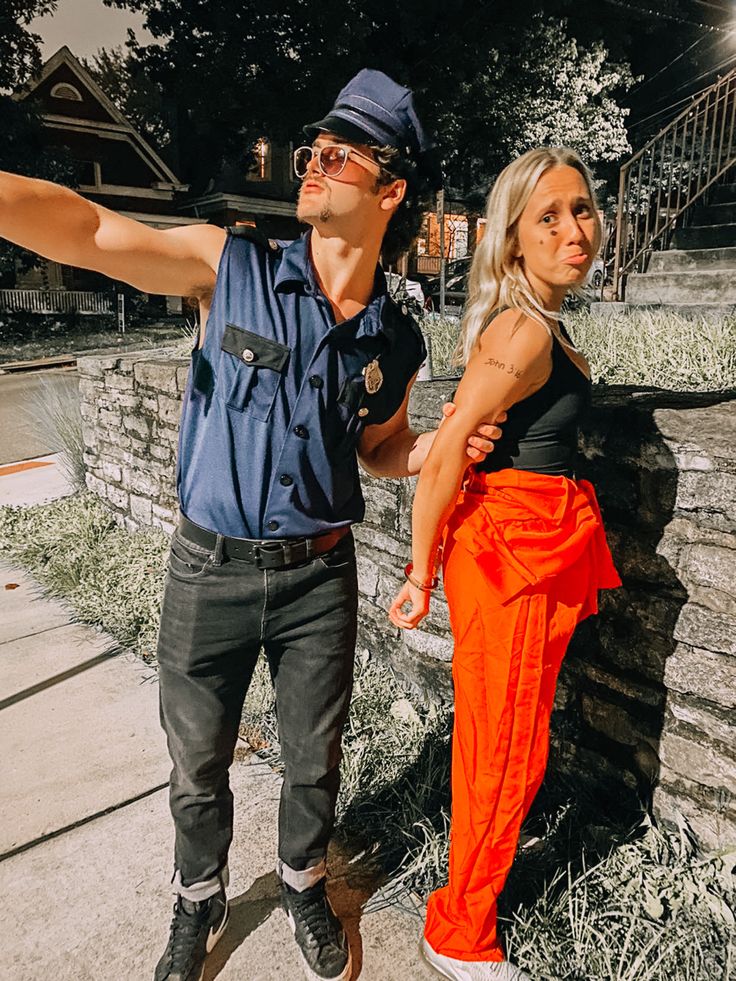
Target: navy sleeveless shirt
(276,400)
(541,432)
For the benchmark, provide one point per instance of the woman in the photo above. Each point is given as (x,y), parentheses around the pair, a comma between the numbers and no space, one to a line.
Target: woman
(524,547)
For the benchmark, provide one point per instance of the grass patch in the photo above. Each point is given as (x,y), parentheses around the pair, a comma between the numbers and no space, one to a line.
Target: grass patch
(443,334)
(56,415)
(596,893)
(664,350)
(650,908)
(47,343)
(657,348)
(76,551)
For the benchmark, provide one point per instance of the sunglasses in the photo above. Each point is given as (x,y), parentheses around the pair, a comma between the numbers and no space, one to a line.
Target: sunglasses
(331,159)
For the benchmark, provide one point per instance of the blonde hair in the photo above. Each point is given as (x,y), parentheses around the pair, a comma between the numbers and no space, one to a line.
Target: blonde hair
(497,279)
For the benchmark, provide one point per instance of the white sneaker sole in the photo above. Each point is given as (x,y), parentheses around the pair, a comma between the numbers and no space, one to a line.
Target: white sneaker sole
(346,973)
(439,963)
(456,970)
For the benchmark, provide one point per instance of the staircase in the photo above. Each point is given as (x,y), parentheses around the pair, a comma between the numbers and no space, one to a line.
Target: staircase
(676,224)
(698,273)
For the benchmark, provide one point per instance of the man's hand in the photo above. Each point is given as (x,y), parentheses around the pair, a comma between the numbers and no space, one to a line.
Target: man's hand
(480,444)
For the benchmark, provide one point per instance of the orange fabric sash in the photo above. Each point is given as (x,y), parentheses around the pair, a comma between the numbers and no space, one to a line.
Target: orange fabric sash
(524,527)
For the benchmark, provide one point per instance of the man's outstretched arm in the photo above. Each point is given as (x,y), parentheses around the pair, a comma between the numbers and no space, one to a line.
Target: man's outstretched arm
(60,225)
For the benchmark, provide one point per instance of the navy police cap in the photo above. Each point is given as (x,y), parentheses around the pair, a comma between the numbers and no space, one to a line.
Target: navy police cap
(372,108)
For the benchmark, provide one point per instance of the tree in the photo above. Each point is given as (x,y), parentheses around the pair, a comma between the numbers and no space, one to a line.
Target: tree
(20,56)
(241,68)
(541,87)
(22,148)
(123,79)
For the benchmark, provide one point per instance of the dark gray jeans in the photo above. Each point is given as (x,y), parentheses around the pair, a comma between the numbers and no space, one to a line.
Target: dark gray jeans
(216,616)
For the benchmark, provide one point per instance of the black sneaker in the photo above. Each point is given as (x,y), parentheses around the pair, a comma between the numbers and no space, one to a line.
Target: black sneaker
(195,929)
(318,933)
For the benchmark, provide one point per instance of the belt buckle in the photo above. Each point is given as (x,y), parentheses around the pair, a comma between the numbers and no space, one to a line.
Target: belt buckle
(267,548)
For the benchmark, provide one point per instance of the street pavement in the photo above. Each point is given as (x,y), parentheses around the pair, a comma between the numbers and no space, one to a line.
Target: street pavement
(21,399)
(85,835)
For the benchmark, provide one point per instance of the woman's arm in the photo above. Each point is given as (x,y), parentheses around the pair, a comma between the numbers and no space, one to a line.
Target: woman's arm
(512,362)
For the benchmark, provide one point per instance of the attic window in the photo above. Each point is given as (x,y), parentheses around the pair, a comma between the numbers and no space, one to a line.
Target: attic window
(66,91)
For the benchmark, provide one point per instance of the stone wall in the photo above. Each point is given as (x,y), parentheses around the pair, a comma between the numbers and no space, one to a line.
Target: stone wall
(130,412)
(648,691)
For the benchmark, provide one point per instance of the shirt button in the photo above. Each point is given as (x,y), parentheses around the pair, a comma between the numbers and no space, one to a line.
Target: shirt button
(273,526)
(316,382)
(286,480)
(301,431)
(248,355)
(362,413)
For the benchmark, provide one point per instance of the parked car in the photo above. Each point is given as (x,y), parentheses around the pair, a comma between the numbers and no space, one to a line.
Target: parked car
(456,288)
(596,274)
(407,291)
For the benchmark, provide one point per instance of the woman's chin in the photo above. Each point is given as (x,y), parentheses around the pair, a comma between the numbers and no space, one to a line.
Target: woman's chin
(576,277)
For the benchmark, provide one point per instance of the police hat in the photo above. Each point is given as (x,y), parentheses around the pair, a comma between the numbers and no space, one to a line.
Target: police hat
(372,108)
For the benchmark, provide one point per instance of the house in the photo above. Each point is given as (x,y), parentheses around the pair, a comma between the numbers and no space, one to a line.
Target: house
(120,169)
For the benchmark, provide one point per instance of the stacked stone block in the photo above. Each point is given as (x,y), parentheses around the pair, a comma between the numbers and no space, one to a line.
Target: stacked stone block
(130,412)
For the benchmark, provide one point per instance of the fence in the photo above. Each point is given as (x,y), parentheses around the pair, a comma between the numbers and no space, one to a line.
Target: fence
(57,301)
(428,265)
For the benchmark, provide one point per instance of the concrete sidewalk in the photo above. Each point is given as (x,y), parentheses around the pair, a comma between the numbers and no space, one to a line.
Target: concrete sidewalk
(85,834)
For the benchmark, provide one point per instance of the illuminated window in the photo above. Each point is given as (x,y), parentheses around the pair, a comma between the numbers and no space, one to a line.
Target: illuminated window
(66,91)
(260,169)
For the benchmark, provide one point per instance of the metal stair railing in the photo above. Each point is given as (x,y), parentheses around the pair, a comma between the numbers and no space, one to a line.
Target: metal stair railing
(668,175)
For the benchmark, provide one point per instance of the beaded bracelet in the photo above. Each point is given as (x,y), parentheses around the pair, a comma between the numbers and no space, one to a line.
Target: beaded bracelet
(425,587)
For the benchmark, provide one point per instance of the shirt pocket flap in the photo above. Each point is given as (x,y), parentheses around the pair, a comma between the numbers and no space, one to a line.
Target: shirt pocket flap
(255,349)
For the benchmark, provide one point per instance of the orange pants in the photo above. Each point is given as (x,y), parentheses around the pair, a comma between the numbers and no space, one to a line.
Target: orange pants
(524,558)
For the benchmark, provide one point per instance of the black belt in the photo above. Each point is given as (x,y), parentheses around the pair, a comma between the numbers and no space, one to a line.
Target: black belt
(264,554)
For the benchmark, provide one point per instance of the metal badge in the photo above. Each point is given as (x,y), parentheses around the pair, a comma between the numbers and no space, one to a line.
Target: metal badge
(373,377)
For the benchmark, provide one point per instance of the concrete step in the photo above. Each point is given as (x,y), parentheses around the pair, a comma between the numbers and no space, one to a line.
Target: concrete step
(713,312)
(715,214)
(673,260)
(705,237)
(718,286)
(723,194)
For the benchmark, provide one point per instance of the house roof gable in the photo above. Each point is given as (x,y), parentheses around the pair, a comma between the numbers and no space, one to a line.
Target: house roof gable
(95,108)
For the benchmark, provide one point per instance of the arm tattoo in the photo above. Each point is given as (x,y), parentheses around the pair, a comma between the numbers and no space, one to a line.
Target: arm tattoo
(502,366)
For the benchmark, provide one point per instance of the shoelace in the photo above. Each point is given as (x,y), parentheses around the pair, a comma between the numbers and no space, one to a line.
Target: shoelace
(185,930)
(314,914)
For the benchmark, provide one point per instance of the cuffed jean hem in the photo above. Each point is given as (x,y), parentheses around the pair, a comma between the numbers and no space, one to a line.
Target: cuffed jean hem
(304,879)
(199,891)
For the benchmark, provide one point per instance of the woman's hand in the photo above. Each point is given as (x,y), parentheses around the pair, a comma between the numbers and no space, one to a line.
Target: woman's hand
(419,600)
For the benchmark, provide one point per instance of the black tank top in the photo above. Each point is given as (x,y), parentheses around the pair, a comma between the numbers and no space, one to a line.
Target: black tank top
(541,431)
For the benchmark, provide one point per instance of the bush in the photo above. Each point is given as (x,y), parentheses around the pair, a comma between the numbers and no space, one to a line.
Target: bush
(76,551)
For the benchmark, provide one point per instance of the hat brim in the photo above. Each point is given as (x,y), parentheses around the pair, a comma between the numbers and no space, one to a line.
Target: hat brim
(340,127)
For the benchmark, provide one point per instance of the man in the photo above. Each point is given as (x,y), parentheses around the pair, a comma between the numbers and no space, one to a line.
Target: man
(302,360)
